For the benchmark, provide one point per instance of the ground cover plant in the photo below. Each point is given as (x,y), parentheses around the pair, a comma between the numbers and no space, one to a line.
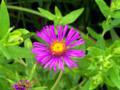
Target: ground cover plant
(59,45)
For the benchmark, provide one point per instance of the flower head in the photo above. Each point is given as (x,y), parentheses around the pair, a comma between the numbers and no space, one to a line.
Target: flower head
(58,47)
(22,85)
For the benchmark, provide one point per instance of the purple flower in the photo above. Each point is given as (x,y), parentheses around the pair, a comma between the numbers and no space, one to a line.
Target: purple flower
(22,85)
(58,48)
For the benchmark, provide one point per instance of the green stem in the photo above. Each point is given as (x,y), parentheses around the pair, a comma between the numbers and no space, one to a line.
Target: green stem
(4,50)
(57,80)
(21,62)
(24,9)
(32,71)
(84,80)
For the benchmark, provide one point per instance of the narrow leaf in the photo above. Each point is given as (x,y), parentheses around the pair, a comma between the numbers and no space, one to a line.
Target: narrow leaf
(71,17)
(57,12)
(46,14)
(103,7)
(86,86)
(93,33)
(4,20)
(114,35)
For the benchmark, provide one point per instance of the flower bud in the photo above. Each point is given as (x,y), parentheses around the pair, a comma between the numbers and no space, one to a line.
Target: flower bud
(14,38)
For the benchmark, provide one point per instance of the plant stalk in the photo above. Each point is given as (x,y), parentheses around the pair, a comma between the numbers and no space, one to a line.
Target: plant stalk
(32,71)
(57,80)
(24,10)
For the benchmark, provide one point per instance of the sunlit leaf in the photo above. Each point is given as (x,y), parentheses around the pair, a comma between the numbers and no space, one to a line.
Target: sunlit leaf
(19,52)
(103,7)
(57,12)
(86,86)
(116,14)
(108,25)
(4,20)
(93,33)
(71,17)
(114,75)
(46,14)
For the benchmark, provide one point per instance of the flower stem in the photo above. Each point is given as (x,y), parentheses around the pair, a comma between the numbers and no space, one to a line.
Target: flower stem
(24,9)
(32,71)
(57,80)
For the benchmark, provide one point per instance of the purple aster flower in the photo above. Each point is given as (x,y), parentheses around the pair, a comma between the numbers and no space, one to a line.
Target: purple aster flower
(22,85)
(58,49)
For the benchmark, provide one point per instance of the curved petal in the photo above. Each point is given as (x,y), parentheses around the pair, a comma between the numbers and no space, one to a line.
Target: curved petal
(75,37)
(52,64)
(38,44)
(42,59)
(76,43)
(52,31)
(60,32)
(47,34)
(69,62)
(65,30)
(44,37)
(40,50)
(55,66)
(60,64)
(38,47)
(46,60)
(75,53)
(48,63)
(70,34)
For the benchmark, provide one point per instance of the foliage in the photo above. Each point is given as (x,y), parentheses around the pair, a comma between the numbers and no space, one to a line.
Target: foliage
(99,69)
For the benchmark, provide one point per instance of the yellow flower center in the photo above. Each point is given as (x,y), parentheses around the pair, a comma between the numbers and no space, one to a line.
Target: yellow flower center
(58,47)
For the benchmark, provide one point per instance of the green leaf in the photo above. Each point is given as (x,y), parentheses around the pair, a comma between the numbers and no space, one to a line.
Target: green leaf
(93,33)
(94,51)
(112,88)
(90,41)
(103,8)
(108,81)
(4,84)
(4,51)
(71,17)
(19,52)
(57,12)
(108,25)
(95,80)
(58,17)
(115,76)
(116,14)
(101,44)
(6,72)
(86,86)
(46,14)
(4,20)
(39,88)
(114,35)
(13,52)
(115,5)
(22,30)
